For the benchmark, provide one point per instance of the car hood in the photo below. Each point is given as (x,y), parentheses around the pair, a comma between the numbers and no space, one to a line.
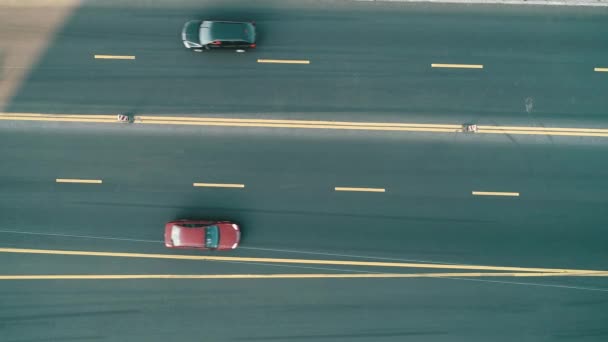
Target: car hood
(190,32)
(229,236)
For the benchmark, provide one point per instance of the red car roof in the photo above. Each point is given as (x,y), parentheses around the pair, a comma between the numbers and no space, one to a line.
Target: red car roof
(188,237)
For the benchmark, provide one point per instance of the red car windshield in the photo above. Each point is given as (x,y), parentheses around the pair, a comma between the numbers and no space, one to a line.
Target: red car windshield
(212,236)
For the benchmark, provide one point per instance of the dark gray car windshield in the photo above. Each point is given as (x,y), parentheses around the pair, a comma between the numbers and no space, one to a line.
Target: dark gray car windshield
(212,237)
(191,31)
(205,33)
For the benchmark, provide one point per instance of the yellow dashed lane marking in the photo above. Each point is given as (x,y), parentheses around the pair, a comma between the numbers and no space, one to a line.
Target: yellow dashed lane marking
(601,69)
(113,57)
(338,188)
(495,193)
(218,185)
(457,66)
(300,261)
(287,276)
(310,124)
(284,61)
(72,180)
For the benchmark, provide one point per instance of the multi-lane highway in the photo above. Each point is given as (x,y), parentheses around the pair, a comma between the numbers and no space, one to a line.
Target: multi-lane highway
(367,214)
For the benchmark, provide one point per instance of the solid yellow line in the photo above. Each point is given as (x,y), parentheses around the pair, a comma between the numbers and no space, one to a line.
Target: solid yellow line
(286,276)
(601,69)
(219,185)
(461,66)
(113,57)
(296,261)
(284,61)
(493,193)
(360,189)
(87,181)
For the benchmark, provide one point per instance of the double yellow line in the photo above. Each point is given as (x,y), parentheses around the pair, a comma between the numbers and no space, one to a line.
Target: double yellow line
(311,262)
(308,124)
(59,117)
(284,276)
(563,131)
(478,270)
(369,126)
(311,124)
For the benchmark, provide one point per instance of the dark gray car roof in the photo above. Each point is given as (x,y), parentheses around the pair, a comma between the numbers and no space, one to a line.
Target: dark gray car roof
(227,31)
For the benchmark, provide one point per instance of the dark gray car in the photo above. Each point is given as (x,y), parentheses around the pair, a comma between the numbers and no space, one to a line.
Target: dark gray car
(201,35)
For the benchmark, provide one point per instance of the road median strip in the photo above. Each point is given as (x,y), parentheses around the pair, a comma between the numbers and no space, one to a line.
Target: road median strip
(92,118)
(311,124)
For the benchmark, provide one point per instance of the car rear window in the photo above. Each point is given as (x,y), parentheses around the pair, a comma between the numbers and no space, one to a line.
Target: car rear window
(212,237)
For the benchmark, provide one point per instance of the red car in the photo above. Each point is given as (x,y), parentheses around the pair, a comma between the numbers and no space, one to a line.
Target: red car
(207,235)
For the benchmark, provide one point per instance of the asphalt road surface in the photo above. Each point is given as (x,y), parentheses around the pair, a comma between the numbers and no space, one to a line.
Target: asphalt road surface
(367,61)
(439,210)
